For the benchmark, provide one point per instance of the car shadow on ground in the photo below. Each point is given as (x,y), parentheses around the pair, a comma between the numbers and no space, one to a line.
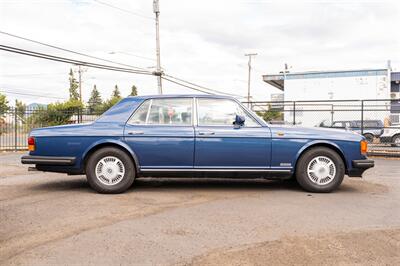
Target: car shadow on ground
(195,184)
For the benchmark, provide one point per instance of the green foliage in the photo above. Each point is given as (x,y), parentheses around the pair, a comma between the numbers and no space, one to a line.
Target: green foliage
(20,108)
(3,105)
(115,97)
(116,93)
(95,103)
(73,86)
(133,91)
(56,113)
(270,115)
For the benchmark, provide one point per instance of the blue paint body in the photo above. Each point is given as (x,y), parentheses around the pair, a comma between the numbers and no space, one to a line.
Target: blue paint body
(185,147)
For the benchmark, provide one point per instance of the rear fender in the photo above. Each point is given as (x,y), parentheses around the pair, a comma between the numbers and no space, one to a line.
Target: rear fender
(112,142)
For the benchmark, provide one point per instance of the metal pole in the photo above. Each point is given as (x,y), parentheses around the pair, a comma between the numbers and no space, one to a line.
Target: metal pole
(15,127)
(80,82)
(249,78)
(294,113)
(156,9)
(362,117)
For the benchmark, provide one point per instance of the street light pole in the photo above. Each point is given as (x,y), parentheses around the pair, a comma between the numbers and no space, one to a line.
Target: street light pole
(249,78)
(158,73)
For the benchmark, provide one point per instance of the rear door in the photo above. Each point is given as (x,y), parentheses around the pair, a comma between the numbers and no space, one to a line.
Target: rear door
(161,133)
(221,145)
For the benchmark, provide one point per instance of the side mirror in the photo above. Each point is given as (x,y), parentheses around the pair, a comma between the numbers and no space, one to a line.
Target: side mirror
(239,121)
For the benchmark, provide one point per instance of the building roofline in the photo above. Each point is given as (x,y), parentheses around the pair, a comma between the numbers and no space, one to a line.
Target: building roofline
(327,71)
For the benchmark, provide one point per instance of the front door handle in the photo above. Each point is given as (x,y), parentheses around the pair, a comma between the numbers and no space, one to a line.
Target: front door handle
(206,133)
(135,133)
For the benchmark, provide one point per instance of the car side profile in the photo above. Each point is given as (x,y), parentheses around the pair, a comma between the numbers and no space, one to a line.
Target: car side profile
(199,136)
(370,129)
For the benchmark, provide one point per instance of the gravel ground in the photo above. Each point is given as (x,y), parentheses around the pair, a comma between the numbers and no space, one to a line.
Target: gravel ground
(52,219)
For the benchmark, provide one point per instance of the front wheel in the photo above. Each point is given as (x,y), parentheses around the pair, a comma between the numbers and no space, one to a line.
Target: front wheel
(110,170)
(369,137)
(396,140)
(320,170)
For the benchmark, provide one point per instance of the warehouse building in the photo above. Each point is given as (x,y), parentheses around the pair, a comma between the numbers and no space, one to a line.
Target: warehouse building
(378,84)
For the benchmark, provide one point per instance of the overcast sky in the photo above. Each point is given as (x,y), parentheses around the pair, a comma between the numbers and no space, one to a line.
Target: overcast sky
(201,41)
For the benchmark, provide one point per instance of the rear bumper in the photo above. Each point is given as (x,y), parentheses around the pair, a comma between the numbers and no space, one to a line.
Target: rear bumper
(47,160)
(359,166)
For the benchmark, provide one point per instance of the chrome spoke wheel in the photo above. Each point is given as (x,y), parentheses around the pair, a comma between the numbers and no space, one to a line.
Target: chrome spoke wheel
(110,170)
(321,170)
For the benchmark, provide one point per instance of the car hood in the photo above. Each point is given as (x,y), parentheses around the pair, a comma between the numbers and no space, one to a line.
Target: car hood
(314,133)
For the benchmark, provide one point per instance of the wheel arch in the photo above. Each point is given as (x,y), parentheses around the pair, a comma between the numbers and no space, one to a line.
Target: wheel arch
(325,144)
(109,143)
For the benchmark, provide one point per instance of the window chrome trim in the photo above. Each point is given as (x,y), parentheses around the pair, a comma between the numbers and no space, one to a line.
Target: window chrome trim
(148,114)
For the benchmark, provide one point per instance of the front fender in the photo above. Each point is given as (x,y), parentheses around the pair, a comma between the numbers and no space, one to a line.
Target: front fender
(326,143)
(114,142)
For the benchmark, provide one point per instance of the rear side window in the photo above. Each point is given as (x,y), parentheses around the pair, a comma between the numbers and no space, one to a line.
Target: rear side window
(172,111)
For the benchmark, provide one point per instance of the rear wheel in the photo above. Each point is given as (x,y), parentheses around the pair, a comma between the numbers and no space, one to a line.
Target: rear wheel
(110,170)
(320,169)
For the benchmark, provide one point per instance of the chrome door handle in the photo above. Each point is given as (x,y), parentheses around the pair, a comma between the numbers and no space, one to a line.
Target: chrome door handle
(135,133)
(206,133)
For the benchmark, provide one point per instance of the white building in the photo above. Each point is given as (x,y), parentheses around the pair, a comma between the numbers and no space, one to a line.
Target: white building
(329,92)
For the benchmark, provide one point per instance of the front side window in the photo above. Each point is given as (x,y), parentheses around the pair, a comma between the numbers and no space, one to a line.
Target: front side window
(174,111)
(221,112)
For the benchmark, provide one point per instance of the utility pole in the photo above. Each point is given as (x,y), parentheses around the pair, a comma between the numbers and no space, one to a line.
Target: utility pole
(80,71)
(158,73)
(248,81)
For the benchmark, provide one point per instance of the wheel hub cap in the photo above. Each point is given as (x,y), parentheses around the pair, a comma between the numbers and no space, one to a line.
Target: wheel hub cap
(321,170)
(110,170)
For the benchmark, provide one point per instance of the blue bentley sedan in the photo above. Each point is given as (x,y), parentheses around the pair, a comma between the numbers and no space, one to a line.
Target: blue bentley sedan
(195,135)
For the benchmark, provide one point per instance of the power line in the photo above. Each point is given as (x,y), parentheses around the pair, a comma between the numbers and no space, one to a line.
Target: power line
(31,75)
(32,94)
(72,61)
(67,50)
(202,87)
(183,85)
(124,10)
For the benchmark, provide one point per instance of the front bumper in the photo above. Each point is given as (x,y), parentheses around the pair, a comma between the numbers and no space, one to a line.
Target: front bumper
(47,160)
(359,166)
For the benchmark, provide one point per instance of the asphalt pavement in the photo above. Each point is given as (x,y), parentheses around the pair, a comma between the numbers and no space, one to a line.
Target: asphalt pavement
(55,219)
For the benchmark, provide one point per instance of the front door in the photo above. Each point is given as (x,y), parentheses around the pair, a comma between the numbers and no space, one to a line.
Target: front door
(161,133)
(222,145)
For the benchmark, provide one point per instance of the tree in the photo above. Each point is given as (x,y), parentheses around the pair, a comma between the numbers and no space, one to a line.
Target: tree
(95,102)
(73,86)
(116,93)
(115,97)
(55,113)
(20,108)
(133,91)
(3,105)
(271,114)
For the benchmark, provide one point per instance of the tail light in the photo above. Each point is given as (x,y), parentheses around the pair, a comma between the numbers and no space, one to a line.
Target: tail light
(31,144)
(363,147)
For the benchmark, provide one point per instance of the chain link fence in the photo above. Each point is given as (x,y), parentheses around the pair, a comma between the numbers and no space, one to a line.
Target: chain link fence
(15,124)
(377,120)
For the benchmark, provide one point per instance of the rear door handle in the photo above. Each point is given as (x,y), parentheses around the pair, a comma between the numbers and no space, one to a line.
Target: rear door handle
(135,133)
(206,133)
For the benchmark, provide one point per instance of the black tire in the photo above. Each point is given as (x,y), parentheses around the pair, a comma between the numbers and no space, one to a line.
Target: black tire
(396,140)
(124,182)
(302,174)
(369,137)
